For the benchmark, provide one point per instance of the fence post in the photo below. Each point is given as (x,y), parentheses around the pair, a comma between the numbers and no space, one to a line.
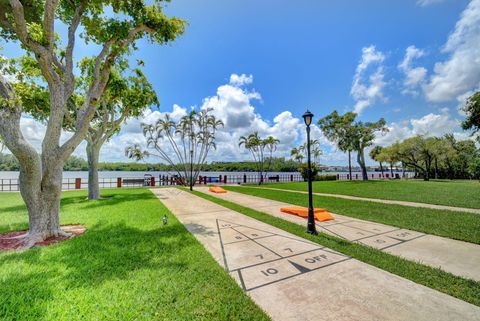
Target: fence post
(119,182)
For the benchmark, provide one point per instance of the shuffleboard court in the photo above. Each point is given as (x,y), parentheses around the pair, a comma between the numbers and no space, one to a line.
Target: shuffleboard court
(294,279)
(457,257)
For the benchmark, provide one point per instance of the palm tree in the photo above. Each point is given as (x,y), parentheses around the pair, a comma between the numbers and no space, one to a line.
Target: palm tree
(191,138)
(271,144)
(135,152)
(256,146)
(317,152)
(297,155)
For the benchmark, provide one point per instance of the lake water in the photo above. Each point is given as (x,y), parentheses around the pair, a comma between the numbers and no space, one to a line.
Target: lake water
(115,174)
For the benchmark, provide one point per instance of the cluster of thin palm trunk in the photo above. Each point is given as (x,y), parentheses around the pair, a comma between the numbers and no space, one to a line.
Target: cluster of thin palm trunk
(184,144)
(262,152)
(300,153)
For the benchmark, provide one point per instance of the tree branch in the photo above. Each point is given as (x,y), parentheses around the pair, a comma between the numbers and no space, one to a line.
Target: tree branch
(48,22)
(102,68)
(11,133)
(4,21)
(20,28)
(72,29)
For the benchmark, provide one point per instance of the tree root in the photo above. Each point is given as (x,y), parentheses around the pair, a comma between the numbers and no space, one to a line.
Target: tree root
(30,240)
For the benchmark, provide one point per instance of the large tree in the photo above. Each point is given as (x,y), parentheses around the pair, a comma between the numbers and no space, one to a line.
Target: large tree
(126,96)
(351,135)
(439,157)
(376,155)
(419,153)
(338,128)
(115,27)
(472,109)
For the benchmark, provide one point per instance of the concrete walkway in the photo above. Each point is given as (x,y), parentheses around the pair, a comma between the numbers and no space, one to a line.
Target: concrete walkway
(377,200)
(294,279)
(457,257)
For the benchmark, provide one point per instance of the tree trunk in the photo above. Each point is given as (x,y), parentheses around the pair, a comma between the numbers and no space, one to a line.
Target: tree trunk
(391,169)
(361,162)
(40,178)
(381,168)
(93,152)
(427,170)
(350,164)
(42,193)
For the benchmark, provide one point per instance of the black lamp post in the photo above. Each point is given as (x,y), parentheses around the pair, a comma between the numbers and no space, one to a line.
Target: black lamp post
(311,229)
(191,169)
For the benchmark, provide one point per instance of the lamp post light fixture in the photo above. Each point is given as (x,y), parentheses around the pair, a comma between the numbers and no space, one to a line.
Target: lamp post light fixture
(311,229)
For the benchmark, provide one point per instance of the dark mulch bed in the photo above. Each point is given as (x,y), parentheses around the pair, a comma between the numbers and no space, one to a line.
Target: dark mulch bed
(13,240)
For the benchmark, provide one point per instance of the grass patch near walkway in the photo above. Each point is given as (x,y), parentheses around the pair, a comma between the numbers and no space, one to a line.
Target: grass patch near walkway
(127,266)
(459,193)
(467,290)
(454,225)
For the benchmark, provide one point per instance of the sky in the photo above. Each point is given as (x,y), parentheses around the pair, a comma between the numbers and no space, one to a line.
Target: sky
(261,64)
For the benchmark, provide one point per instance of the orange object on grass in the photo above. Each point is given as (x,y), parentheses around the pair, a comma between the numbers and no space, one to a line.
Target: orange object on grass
(320,214)
(216,189)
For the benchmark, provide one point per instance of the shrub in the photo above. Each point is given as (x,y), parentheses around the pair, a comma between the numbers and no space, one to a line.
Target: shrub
(326,177)
(303,171)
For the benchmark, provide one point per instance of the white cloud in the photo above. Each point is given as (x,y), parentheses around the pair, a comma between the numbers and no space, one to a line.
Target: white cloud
(240,80)
(233,105)
(424,3)
(367,91)
(414,76)
(460,72)
(432,124)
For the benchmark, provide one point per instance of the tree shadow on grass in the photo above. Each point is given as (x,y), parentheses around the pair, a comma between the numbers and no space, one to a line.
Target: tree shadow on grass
(30,279)
(108,200)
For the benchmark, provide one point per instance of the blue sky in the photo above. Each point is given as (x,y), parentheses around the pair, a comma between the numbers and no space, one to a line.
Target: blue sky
(301,54)
(261,64)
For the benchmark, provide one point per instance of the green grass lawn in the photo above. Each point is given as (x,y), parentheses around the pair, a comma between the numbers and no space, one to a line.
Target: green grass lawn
(127,266)
(467,290)
(459,193)
(455,225)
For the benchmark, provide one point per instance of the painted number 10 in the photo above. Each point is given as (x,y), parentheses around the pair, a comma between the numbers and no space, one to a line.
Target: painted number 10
(269,272)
